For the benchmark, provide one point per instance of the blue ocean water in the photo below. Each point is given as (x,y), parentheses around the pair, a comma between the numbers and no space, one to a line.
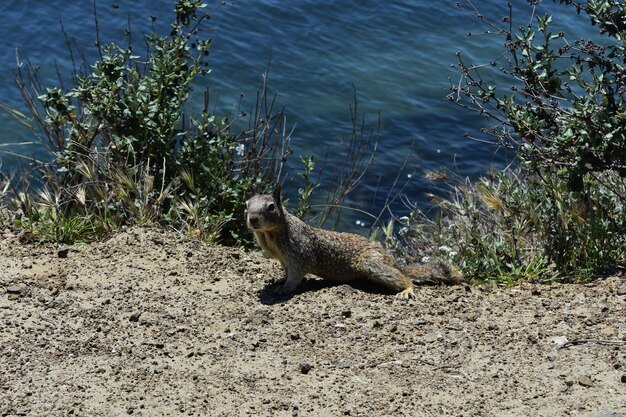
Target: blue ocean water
(396,54)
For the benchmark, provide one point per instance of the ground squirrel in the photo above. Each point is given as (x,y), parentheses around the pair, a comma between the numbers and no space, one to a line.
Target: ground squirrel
(335,256)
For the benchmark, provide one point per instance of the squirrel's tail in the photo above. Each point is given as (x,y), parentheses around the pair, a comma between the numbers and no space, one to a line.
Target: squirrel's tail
(435,272)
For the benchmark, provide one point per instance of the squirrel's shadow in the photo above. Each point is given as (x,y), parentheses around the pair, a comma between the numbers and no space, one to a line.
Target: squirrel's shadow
(271,293)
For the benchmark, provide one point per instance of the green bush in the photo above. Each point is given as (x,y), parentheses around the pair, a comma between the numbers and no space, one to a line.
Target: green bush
(128,148)
(562,212)
(564,110)
(515,226)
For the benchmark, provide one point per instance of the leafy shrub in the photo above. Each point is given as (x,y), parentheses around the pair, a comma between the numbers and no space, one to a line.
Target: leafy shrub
(562,212)
(129,148)
(126,152)
(516,226)
(565,110)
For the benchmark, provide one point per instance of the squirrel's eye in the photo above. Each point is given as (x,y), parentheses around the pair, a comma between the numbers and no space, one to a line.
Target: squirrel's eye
(271,207)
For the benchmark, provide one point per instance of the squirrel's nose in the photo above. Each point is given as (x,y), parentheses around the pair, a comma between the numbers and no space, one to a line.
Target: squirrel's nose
(254,222)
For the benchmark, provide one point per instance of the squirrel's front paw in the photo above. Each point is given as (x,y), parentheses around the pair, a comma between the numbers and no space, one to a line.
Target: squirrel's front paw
(284,288)
(282,291)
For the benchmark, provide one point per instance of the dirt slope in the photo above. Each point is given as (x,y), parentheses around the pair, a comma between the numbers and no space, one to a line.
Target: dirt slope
(149,323)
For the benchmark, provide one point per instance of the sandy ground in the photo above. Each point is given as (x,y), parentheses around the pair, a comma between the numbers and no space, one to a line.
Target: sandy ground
(149,323)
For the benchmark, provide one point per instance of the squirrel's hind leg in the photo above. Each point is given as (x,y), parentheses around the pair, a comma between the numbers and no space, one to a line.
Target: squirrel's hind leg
(379,268)
(406,294)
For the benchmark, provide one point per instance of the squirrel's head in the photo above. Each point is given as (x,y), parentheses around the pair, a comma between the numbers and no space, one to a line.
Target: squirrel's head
(264,212)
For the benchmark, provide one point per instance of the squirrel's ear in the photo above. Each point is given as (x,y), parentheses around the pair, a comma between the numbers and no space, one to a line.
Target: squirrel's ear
(276,195)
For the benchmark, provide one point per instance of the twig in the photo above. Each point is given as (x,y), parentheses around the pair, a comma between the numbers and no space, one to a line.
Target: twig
(598,341)
(95,17)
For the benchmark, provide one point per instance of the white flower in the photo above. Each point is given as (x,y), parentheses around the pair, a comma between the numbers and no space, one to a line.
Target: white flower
(240,149)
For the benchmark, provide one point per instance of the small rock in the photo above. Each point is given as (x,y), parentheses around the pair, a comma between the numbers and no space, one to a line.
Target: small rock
(14,289)
(609,331)
(346,314)
(487,288)
(147,318)
(390,363)
(431,337)
(568,385)
(585,381)
(471,316)
(492,326)
(135,317)
(560,340)
(304,367)
(63,251)
(346,289)
(294,336)
(623,379)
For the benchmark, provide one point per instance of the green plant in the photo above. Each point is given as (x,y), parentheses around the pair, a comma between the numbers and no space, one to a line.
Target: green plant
(565,108)
(515,226)
(128,148)
(562,212)
(305,192)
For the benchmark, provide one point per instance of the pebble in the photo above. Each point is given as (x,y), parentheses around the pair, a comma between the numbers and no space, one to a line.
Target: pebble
(609,331)
(63,251)
(585,381)
(304,367)
(431,337)
(14,289)
(471,316)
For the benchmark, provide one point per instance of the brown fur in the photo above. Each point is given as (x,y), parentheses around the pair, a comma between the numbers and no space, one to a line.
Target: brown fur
(335,256)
